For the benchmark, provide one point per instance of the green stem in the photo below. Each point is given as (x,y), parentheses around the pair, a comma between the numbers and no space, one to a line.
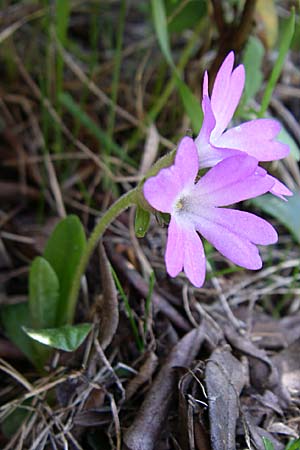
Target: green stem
(128,199)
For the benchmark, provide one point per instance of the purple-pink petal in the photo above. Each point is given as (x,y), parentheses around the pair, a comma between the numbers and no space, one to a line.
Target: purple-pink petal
(187,161)
(214,155)
(232,180)
(205,84)
(175,249)
(246,225)
(279,189)
(233,246)
(208,125)
(194,257)
(160,191)
(257,138)
(226,94)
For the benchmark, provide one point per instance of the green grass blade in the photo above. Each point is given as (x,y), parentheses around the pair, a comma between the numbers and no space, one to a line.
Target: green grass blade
(283,49)
(161,29)
(62,16)
(116,72)
(293,445)
(149,298)
(75,109)
(129,312)
(190,102)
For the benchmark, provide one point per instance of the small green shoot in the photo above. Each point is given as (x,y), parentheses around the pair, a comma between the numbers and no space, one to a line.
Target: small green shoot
(141,222)
(134,326)
(293,445)
(268,444)
(149,299)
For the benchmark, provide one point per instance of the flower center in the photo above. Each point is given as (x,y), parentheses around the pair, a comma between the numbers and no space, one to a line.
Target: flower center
(182,205)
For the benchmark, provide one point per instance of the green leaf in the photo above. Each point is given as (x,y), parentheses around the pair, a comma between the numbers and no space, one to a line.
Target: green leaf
(67,338)
(253,57)
(287,213)
(293,445)
(15,419)
(43,294)
(186,16)
(285,43)
(268,444)
(13,318)
(190,102)
(191,105)
(63,11)
(161,28)
(64,250)
(141,222)
(285,137)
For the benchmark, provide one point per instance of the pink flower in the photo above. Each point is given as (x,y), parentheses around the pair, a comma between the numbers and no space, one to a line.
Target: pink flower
(196,207)
(256,137)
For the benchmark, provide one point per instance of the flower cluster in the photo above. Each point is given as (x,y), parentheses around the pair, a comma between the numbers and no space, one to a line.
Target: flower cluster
(198,207)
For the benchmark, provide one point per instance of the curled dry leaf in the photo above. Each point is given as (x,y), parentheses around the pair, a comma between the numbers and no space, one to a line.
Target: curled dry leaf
(257,433)
(144,432)
(288,363)
(150,149)
(224,377)
(262,372)
(107,307)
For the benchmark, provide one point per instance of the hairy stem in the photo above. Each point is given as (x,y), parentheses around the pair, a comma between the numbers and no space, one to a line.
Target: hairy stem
(128,199)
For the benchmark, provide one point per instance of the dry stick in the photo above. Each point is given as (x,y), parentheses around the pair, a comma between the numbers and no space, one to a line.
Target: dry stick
(237,324)
(144,432)
(61,210)
(231,37)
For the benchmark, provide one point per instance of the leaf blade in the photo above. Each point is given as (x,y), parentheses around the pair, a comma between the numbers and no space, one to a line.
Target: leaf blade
(63,251)
(43,294)
(67,337)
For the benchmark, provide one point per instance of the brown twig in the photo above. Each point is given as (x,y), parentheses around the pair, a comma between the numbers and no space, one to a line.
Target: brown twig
(231,36)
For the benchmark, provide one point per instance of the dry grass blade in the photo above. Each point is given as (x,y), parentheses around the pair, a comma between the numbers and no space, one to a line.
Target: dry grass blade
(145,373)
(104,98)
(150,149)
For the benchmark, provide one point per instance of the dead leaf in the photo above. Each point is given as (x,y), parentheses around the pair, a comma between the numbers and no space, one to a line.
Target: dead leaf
(150,149)
(288,364)
(193,429)
(224,378)
(258,433)
(107,308)
(281,428)
(143,433)
(267,22)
